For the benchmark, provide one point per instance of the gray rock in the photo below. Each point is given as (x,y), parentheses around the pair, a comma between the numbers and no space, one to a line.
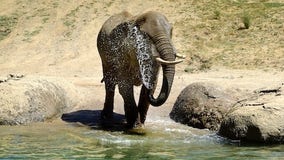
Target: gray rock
(203,105)
(257,119)
(27,99)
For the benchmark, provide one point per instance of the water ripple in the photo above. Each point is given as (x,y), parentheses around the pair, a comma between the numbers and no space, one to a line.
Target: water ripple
(164,140)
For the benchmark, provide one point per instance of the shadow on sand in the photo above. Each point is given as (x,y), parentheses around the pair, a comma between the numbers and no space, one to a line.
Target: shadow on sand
(92,118)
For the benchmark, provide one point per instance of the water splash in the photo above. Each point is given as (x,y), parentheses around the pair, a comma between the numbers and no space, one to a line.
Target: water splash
(164,141)
(144,55)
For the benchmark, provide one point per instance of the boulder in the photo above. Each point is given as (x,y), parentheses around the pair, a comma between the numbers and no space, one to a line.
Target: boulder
(257,119)
(203,105)
(34,99)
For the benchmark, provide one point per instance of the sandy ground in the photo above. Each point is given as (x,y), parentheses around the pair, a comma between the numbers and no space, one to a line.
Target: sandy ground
(58,39)
(244,81)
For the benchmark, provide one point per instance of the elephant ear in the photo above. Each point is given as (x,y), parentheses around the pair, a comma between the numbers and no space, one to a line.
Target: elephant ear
(144,56)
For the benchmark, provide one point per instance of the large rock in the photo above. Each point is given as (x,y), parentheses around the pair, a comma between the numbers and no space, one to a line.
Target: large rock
(257,119)
(203,105)
(28,99)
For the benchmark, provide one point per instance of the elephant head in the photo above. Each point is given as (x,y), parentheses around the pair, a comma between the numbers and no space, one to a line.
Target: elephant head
(157,27)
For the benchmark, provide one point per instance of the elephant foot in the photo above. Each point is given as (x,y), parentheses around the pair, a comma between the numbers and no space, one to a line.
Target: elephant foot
(137,130)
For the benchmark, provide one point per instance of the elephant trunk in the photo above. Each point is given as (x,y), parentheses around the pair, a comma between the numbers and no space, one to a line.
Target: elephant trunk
(167,52)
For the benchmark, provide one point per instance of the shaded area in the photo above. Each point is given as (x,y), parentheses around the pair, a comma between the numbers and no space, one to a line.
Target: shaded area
(92,118)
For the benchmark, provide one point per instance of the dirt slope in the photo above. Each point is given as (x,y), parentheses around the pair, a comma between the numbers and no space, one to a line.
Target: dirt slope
(53,36)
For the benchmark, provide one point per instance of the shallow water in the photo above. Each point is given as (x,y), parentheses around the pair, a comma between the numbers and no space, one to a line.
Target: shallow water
(164,139)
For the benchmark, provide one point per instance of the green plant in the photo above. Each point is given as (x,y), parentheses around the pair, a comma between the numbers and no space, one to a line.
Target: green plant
(6,25)
(29,34)
(271,5)
(246,20)
(45,19)
(217,15)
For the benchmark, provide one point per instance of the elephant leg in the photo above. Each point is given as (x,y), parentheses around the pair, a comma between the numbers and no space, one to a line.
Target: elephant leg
(130,107)
(143,104)
(109,98)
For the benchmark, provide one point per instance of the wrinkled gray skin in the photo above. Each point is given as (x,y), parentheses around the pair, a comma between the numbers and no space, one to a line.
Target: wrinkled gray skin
(128,46)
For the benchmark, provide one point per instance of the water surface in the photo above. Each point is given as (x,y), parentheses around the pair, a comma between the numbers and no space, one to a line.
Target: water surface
(164,139)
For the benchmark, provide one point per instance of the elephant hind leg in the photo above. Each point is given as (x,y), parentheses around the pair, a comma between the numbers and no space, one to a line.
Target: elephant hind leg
(109,99)
(130,107)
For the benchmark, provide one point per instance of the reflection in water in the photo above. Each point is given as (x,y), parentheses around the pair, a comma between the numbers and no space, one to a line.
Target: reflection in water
(164,140)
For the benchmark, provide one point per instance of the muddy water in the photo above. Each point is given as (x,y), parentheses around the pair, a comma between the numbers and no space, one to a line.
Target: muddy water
(164,139)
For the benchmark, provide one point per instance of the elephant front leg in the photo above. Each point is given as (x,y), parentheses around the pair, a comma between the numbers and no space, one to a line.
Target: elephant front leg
(109,98)
(130,107)
(143,104)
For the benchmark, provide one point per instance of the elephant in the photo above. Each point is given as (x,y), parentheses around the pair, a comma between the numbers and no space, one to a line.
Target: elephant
(132,50)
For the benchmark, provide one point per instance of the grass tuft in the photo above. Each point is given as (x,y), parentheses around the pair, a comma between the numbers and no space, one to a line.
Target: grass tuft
(246,20)
(6,26)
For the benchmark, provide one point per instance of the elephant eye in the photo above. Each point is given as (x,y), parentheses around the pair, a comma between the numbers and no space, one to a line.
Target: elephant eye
(171,32)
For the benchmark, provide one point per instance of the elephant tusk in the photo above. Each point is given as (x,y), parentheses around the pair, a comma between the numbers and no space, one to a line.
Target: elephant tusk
(168,62)
(180,56)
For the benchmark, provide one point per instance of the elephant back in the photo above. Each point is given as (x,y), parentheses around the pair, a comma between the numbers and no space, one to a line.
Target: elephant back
(114,21)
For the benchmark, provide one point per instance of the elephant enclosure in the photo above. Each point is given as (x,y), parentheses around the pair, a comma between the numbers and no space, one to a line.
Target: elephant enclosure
(233,43)
(49,62)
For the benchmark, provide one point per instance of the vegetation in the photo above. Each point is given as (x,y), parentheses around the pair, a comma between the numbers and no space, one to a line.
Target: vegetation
(241,34)
(235,34)
(6,25)
(246,21)
(29,34)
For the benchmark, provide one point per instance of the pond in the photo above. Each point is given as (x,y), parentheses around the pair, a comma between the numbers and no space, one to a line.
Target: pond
(164,139)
